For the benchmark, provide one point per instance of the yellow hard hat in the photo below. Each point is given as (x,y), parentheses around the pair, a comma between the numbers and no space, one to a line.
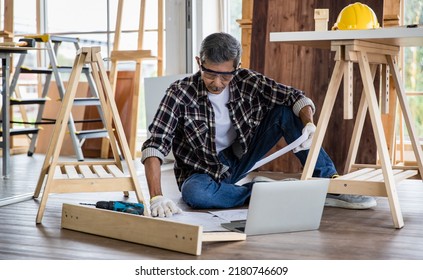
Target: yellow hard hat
(356,16)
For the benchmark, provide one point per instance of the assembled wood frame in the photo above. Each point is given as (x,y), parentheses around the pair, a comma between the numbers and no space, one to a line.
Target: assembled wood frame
(96,176)
(380,180)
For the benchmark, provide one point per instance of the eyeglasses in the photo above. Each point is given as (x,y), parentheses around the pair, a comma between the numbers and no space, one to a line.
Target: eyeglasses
(211,74)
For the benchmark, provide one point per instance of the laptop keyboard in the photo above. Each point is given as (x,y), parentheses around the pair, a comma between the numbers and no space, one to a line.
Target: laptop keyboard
(240,228)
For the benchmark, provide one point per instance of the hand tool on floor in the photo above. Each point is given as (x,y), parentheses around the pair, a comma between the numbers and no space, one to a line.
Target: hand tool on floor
(24,42)
(119,206)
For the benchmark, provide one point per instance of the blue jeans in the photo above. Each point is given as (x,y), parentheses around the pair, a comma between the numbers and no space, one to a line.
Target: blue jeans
(200,191)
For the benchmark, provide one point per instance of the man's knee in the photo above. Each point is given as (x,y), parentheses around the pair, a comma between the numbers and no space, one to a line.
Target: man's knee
(195,191)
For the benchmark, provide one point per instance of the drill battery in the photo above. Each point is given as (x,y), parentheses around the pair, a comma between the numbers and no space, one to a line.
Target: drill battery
(120,206)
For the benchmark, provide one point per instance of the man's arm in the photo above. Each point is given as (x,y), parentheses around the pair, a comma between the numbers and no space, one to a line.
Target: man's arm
(160,205)
(306,115)
(153,175)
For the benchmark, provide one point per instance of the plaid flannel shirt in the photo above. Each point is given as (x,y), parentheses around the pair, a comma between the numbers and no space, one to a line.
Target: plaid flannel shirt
(184,122)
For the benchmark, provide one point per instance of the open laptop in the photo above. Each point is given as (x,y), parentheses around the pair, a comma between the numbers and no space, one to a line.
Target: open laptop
(283,206)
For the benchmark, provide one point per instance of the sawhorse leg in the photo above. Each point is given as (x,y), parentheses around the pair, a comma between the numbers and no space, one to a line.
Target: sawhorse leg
(382,147)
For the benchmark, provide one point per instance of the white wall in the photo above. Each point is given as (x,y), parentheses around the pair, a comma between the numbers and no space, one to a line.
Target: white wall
(175,37)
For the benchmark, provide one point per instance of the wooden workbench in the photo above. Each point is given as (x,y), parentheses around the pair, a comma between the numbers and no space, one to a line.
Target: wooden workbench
(367,48)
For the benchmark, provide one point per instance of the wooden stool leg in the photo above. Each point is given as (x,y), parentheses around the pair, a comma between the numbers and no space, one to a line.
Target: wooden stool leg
(380,139)
(43,173)
(43,201)
(323,119)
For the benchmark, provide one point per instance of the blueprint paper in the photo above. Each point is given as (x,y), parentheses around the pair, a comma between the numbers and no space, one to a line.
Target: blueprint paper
(282,151)
(231,215)
(209,222)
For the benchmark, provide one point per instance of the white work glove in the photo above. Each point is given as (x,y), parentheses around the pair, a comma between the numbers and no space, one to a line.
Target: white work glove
(163,207)
(310,128)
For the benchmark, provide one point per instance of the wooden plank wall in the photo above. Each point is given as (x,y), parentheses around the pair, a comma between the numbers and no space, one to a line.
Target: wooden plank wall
(309,70)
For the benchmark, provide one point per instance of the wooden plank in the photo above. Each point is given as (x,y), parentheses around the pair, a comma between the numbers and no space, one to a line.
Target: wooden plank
(404,175)
(391,11)
(380,178)
(105,162)
(348,90)
(384,89)
(131,55)
(245,23)
(402,167)
(101,172)
(369,47)
(86,171)
(321,18)
(223,236)
(369,175)
(357,187)
(159,233)
(355,174)
(391,120)
(115,171)
(71,171)
(374,58)
(391,18)
(9,17)
(92,185)
(58,173)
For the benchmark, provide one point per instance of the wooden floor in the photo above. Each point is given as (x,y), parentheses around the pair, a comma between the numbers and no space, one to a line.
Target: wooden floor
(343,234)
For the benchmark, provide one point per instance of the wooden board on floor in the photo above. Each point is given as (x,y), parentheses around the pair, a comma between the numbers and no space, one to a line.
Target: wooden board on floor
(169,235)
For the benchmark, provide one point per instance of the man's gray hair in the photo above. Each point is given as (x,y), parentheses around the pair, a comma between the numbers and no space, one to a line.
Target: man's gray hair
(220,47)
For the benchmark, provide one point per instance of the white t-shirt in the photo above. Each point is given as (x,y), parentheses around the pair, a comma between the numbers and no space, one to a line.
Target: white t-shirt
(225,132)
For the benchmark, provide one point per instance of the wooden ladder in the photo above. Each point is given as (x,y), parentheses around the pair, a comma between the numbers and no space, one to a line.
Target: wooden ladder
(54,70)
(138,56)
(96,176)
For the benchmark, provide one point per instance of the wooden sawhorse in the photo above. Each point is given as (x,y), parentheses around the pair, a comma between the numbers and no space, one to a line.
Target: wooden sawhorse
(380,180)
(92,176)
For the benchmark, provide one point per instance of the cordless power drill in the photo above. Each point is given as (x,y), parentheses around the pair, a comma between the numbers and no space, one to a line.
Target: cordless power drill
(120,206)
